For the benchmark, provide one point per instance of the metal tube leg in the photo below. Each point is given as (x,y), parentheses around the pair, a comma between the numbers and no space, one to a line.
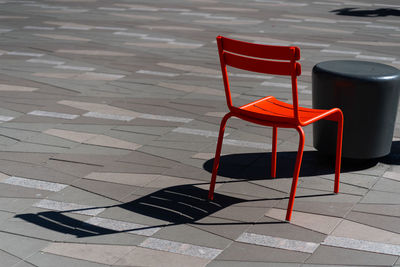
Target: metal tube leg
(296,173)
(273,155)
(217,155)
(338,151)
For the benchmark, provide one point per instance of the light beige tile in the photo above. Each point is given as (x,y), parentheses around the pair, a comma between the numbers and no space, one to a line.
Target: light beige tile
(392,175)
(79,137)
(13,17)
(3,176)
(63,37)
(134,17)
(163,181)
(228,22)
(105,254)
(164,45)
(379,44)
(16,88)
(103,140)
(123,178)
(150,257)
(95,76)
(67,24)
(99,108)
(205,156)
(364,232)
(195,89)
(260,39)
(216,114)
(189,68)
(94,52)
(169,28)
(318,223)
(231,9)
(57,75)
(134,6)
(319,29)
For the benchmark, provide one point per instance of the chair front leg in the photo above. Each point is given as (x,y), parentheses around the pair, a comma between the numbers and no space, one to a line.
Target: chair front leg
(296,173)
(273,154)
(338,151)
(217,155)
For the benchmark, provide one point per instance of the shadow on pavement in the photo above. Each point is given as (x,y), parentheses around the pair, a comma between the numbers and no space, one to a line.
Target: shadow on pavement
(314,163)
(188,204)
(380,12)
(185,204)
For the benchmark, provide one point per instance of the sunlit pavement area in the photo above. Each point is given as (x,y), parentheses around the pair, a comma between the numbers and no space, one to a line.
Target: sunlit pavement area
(109,115)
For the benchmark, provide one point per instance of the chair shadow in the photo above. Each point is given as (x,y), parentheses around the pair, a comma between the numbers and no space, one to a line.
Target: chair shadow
(380,12)
(184,204)
(188,204)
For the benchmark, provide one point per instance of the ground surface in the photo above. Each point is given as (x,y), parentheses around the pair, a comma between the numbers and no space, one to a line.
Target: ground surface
(110,111)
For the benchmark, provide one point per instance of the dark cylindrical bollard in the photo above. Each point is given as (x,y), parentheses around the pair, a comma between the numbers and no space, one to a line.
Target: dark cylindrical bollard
(368,95)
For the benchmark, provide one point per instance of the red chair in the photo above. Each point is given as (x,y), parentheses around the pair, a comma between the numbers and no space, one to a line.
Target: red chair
(268,111)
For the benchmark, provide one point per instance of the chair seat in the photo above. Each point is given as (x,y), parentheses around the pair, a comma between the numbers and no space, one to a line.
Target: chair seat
(273,110)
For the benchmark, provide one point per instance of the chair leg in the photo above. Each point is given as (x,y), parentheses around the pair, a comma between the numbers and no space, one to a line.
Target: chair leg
(273,155)
(217,155)
(338,151)
(296,173)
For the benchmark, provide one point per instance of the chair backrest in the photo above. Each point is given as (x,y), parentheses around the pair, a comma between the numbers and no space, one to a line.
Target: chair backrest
(268,59)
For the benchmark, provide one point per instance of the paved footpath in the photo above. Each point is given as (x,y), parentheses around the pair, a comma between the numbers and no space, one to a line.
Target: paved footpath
(109,114)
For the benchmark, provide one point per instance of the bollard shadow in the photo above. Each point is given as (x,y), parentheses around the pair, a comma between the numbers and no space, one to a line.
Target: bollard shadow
(380,12)
(313,164)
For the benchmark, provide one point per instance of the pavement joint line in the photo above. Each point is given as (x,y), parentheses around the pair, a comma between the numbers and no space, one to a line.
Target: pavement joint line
(33,183)
(180,248)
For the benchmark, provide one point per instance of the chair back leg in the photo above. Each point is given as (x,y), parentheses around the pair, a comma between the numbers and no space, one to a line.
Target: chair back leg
(296,173)
(217,155)
(338,151)
(273,155)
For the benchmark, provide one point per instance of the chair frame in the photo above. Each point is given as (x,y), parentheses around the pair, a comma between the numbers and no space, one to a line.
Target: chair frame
(276,60)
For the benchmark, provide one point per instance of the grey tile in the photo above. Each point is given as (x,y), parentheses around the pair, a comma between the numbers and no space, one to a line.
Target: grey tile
(388,223)
(8,259)
(246,252)
(185,234)
(19,245)
(48,260)
(106,189)
(332,255)
(227,263)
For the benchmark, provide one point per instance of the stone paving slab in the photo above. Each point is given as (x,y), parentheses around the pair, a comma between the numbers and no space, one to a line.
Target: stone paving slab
(109,116)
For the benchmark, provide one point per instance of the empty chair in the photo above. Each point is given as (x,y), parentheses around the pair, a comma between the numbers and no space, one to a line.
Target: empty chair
(269,111)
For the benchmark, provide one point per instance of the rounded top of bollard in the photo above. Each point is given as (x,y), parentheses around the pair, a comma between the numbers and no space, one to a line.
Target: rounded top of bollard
(358,69)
